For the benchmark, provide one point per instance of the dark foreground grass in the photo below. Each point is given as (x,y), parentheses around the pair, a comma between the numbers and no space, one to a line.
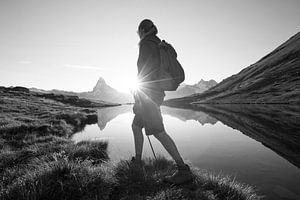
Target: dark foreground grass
(66,178)
(16,163)
(147,184)
(62,179)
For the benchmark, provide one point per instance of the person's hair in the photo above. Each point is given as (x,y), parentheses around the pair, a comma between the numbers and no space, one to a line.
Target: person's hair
(146,25)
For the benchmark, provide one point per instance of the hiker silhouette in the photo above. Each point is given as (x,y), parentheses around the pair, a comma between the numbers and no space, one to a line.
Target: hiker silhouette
(148,99)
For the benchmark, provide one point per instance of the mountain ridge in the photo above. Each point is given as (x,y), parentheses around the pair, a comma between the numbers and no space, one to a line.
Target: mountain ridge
(103,92)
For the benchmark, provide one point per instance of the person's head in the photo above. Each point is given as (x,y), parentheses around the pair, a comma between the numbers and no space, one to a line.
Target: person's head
(145,26)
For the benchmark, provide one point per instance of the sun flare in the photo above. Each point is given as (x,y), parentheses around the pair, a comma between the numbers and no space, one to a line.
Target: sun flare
(133,84)
(126,84)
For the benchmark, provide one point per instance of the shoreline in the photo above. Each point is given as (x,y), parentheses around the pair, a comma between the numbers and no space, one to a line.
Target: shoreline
(39,161)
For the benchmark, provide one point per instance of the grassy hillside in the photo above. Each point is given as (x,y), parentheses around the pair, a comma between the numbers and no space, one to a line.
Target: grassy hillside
(273,79)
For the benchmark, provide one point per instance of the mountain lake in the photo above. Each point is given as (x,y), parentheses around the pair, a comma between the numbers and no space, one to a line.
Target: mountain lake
(244,142)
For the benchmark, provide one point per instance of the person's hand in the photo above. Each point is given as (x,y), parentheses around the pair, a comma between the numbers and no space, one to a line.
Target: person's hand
(137,107)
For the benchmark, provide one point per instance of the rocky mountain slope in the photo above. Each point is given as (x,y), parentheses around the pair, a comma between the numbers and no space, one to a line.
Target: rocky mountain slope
(275,78)
(186,90)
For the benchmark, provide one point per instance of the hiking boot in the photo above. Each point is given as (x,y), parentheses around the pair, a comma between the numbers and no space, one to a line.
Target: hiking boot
(136,163)
(136,171)
(183,174)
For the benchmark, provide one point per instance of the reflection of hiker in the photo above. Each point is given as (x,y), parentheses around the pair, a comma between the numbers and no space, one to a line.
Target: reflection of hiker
(148,100)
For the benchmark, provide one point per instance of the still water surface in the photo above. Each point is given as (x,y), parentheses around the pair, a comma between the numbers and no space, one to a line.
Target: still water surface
(204,142)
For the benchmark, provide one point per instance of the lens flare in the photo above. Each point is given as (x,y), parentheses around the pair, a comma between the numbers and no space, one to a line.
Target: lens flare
(134,85)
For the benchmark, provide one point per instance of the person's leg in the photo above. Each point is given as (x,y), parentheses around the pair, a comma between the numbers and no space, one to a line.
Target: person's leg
(138,141)
(170,146)
(183,173)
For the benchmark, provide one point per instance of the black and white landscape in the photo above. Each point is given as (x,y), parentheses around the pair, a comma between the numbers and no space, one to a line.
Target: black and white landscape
(67,73)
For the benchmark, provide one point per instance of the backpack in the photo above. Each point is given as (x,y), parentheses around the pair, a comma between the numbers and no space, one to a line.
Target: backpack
(171,73)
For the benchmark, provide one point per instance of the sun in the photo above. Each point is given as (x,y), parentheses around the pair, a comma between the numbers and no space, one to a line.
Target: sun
(133,84)
(124,83)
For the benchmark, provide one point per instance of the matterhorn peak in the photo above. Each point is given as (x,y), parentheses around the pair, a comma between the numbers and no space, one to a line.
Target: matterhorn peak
(100,84)
(101,79)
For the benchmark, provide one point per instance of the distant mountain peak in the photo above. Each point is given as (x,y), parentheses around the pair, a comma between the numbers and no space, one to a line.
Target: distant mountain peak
(208,84)
(186,90)
(204,81)
(100,84)
(102,91)
(101,80)
(201,81)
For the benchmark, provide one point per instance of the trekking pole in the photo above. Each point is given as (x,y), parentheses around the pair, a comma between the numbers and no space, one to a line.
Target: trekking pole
(152,148)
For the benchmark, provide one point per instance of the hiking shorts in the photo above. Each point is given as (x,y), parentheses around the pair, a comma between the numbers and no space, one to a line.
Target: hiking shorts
(147,111)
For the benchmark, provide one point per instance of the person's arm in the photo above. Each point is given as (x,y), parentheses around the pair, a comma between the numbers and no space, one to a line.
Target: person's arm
(148,61)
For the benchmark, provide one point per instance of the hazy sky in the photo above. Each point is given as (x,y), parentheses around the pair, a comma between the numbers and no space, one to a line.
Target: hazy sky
(69,44)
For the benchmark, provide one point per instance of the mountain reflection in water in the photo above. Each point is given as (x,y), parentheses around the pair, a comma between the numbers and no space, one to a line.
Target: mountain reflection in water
(275,126)
(260,145)
(107,114)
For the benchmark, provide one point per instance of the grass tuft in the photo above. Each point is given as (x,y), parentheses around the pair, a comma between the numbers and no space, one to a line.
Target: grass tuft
(62,179)
(89,150)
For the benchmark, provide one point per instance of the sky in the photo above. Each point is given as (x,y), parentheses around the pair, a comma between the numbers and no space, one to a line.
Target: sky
(69,44)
